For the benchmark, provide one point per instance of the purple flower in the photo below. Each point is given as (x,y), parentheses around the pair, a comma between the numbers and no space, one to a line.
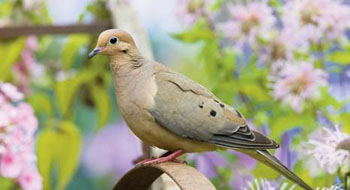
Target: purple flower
(296,83)
(313,20)
(243,168)
(112,150)
(206,163)
(285,154)
(249,23)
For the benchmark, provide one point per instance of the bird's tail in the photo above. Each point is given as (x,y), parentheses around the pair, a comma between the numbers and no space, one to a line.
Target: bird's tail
(266,158)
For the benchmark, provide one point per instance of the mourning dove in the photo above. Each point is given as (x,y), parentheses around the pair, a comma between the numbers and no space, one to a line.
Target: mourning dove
(167,110)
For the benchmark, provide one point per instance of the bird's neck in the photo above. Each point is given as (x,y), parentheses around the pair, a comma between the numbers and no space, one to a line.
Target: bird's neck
(128,71)
(124,65)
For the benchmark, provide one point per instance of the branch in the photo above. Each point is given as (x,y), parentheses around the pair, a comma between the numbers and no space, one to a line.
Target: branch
(15,31)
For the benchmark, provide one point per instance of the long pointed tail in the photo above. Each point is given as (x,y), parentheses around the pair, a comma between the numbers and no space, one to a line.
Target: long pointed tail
(266,158)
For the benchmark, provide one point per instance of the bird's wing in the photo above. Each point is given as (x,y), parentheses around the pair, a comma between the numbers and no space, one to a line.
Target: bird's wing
(189,110)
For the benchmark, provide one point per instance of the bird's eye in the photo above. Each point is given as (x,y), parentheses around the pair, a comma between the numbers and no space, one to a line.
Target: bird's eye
(113,40)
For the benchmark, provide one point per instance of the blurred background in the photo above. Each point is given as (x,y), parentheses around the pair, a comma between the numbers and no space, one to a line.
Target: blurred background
(284,64)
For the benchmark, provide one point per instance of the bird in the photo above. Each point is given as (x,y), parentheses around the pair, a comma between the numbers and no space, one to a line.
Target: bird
(168,110)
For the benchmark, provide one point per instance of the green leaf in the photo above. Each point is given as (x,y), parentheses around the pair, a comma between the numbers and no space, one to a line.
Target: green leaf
(341,57)
(67,89)
(197,33)
(102,103)
(46,155)
(265,171)
(282,123)
(71,49)
(6,183)
(10,51)
(68,152)
(58,148)
(41,103)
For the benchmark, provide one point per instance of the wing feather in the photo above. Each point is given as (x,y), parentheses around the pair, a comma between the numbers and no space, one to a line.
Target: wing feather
(190,110)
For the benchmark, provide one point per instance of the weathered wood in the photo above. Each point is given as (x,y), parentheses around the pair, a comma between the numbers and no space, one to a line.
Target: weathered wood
(186,177)
(15,31)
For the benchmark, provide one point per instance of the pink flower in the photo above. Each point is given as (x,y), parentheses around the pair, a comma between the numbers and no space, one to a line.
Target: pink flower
(27,66)
(10,91)
(249,23)
(10,165)
(297,82)
(26,118)
(189,11)
(18,125)
(313,20)
(30,178)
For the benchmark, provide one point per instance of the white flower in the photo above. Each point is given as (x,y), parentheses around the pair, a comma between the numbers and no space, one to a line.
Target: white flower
(330,148)
(296,83)
(264,184)
(329,188)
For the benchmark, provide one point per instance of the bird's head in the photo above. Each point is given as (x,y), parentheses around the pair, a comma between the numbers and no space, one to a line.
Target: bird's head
(114,42)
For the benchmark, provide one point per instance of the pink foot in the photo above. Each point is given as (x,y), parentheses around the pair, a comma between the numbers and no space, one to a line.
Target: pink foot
(169,158)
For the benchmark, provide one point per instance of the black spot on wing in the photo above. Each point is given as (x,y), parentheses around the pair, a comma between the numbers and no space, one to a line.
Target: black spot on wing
(201,105)
(213,113)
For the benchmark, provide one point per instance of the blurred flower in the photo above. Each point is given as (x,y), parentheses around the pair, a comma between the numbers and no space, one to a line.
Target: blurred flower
(340,84)
(243,167)
(30,179)
(312,20)
(296,83)
(330,148)
(31,4)
(329,188)
(10,91)
(64,75)
(249,23)
(264,184)
(206,163)
(189,11)
(285,154)
(17,127)
(27,65)
(114,148)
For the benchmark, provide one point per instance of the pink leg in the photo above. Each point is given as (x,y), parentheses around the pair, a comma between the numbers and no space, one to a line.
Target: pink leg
(169,158)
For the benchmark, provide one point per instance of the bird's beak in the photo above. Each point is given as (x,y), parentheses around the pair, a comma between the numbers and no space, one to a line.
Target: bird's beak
(94,52)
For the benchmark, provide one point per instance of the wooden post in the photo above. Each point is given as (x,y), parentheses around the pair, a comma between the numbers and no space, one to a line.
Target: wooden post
(186,177)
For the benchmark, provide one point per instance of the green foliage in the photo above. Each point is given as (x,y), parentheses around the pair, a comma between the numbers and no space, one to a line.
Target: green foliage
(102,102)
(41,103)
(10,52)
(66,91)
(6,183)
(199,32)
(71,49)
(341,57)
(58,147)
